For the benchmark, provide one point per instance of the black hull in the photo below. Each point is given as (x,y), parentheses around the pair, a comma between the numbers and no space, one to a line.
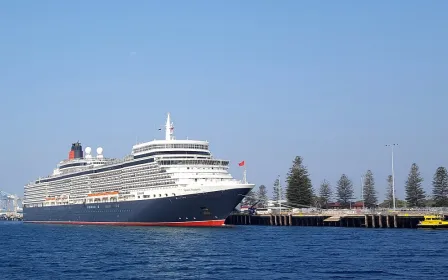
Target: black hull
(205,209)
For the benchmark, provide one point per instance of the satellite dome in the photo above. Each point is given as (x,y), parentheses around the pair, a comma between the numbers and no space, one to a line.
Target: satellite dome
(99,150)
(88,150)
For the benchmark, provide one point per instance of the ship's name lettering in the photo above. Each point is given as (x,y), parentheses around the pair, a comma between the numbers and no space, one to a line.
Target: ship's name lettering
(192,190)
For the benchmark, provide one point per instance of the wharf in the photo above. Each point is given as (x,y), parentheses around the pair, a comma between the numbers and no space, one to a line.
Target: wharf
(382,220)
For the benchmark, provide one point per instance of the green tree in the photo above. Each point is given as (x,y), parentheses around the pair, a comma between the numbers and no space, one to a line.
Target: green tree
(440,187)
(384,204)
(262,196)
(344,190)
(317,201)
(325,193)
(415,195)
(279,193)
(389,193)
(299,191)
(250,198)
(430,202)
(398,203)
(370,198)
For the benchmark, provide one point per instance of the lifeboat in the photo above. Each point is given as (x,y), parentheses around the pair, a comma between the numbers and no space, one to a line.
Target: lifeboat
(102,194)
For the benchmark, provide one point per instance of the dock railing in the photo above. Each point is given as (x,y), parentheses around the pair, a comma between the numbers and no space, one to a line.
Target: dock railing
(355,212)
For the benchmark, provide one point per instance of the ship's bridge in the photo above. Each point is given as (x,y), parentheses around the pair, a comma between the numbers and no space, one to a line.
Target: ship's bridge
(167,147)
(171,146)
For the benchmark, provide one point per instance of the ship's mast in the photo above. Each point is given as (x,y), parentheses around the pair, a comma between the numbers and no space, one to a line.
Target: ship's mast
(169,129)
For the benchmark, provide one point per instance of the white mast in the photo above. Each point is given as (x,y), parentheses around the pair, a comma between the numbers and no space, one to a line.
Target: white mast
(169,128)
(244,175)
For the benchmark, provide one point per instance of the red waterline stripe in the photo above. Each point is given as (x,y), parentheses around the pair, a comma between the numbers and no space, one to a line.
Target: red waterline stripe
(209,223)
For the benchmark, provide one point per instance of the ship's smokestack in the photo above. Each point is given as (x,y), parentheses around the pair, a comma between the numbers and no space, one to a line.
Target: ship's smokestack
(71,154)
(76,151)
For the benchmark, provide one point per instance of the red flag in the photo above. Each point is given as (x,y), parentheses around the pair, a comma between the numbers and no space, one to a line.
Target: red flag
(241,163)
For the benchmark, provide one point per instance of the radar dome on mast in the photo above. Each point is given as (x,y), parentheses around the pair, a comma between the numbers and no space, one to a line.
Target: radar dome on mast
(99,152)
(88,152)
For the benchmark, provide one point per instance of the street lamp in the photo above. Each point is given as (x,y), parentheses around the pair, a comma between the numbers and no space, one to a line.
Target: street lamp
(393,176)
(362,192)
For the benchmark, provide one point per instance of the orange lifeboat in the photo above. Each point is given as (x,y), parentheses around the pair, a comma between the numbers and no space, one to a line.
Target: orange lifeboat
(102,194)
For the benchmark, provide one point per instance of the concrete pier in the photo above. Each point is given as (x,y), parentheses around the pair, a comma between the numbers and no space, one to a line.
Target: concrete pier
(365,220)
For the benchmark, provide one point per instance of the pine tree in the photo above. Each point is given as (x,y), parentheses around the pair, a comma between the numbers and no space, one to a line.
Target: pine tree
(299,190)
(415,195)
(325,193)
(278,191)
(440,187)
(389,193)
(262,196)
(317,201)
(370,198)
(250,198)
(344,190)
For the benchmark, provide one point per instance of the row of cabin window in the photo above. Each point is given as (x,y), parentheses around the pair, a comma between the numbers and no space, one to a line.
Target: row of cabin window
(149,196)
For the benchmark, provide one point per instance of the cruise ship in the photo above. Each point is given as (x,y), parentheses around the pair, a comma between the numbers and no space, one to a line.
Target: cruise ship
(162,182)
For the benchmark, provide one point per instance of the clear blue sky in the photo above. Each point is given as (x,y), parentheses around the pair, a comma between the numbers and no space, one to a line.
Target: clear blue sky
(263,81)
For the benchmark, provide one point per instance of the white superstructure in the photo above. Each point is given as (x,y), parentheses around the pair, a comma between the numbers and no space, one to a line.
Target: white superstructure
(155,169)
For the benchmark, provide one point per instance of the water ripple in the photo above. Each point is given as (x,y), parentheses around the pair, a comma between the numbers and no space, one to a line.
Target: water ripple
(251,252)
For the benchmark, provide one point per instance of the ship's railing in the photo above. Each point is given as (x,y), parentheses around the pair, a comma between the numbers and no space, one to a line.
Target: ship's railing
(101,160)
(196,145)
(109,161)
(192,161)
(112,161)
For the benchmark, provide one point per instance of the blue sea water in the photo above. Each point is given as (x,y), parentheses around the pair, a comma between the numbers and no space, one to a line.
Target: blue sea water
(29,251)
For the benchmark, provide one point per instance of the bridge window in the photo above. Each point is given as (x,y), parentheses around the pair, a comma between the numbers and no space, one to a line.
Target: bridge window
(171,146)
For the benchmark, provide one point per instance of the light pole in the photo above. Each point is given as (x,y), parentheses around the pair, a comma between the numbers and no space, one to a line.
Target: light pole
(279,195)
(362,193)
(393,175)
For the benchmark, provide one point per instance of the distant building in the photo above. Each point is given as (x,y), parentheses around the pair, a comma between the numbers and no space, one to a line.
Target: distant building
(334,205)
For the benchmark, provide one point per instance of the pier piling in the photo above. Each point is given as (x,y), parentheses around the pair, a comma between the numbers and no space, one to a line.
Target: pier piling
(384,220)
